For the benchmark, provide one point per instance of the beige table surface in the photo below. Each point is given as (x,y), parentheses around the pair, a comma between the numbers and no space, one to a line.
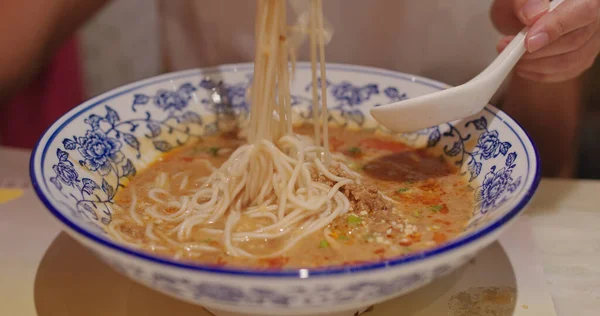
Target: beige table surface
(566,228)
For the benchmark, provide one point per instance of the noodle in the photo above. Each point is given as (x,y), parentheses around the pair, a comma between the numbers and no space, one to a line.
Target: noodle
(324,116)
(313,65)
(132,212)
(270,177)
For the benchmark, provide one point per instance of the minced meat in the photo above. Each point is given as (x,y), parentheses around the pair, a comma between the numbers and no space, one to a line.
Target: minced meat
(362,197)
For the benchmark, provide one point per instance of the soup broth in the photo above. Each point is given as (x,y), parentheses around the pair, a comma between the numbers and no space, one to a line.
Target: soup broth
(407,201)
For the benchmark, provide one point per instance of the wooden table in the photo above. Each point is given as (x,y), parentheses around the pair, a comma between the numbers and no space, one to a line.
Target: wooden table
(565,214)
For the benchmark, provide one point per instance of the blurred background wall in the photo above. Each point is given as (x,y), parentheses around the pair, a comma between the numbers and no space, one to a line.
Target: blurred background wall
(120,45)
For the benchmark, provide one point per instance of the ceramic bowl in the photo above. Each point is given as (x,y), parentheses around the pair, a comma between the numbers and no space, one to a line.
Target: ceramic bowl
(82,161)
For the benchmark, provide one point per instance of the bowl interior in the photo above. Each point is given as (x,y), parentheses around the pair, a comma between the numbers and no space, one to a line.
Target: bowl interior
(87,156)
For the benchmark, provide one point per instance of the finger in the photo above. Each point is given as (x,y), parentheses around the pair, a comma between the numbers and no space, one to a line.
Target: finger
(529,11)
(580,59)
(566,18)
(565,44)
(503,43)
(502,14)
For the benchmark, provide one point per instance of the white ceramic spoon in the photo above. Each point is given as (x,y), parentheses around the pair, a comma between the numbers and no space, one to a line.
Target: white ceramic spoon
(454,103)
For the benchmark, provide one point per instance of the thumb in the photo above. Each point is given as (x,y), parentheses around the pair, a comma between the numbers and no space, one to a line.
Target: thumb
(529,11)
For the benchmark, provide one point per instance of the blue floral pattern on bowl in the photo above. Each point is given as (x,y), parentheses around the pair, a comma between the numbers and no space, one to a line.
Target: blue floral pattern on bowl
(85,159)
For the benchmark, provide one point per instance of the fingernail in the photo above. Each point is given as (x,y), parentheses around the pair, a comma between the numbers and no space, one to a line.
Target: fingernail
(537,41)
(533,8)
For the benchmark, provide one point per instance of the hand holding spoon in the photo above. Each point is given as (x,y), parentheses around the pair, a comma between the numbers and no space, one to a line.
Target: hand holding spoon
(457,102)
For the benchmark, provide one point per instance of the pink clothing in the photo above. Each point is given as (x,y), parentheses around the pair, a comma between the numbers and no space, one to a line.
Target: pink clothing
(57,89)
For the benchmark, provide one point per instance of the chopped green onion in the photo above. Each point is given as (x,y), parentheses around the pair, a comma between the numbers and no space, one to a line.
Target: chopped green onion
(354,150)
(343,237)
(354,166)
(409,182)
(435,208)
(213,151)
(353,219)
(417,214)
(323,244)
(402,190)
(207,240)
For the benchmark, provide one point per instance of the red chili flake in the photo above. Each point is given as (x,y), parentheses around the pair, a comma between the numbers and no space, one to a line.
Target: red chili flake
(221,262)
(429,185)
(334,143)
(430,199)
(405,242)
(187,159)
(441,221)
(379,251)
(416,237)
(276,263)
(439,237)
(444,209)
(354,262)
(170,210)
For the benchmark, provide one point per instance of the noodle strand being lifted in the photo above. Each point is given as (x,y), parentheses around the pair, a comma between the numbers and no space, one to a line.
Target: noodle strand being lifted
(270,177)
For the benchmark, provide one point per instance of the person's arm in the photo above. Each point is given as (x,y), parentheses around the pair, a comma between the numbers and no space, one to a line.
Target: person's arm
(545,93)
(30,31)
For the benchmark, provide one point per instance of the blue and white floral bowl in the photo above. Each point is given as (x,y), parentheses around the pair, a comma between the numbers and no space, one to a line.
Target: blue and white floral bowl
(85,158)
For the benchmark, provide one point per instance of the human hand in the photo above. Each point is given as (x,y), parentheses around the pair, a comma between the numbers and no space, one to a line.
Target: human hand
(561,44)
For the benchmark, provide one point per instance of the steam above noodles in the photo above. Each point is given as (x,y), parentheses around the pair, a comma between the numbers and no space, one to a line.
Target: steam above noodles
(270,177)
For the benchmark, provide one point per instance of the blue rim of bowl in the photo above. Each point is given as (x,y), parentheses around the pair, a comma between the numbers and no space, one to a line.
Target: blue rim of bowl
(296,273)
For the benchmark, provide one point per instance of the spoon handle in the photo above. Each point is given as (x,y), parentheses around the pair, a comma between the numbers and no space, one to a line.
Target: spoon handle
(508,58)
